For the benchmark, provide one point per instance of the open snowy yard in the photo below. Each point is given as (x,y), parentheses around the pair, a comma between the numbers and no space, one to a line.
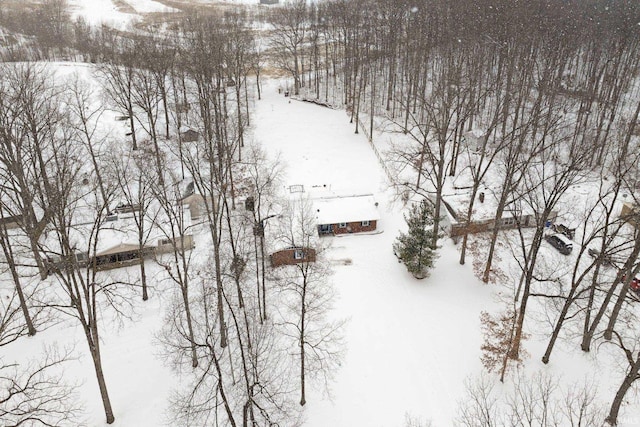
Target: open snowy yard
(410,343)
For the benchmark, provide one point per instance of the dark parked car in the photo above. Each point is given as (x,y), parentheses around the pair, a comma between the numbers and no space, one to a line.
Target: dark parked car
(560,242)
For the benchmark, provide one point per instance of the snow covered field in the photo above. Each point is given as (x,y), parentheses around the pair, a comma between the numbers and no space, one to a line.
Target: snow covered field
(115,14)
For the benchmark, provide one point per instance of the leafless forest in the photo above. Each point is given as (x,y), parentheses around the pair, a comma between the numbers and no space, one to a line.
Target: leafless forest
(552,85)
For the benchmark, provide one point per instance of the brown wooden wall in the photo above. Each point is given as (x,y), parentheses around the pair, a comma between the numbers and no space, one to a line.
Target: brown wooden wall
(286,257)
(354,227)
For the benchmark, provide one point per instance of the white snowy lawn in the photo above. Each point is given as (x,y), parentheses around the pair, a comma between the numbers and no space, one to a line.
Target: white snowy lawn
(410,343)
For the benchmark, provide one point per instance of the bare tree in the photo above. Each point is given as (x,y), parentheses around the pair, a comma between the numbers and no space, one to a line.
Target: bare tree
(30,114)
(632,356)
(137,196)
(172,220)
(85,118)
(289,34)
(35,393)
(480,407)
(546,181)
(308,297)
(262,181)
(78,216)
(7,248)
(534,399)
(117,82)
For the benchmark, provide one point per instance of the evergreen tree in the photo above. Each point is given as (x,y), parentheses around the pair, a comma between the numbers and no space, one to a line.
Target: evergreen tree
(416,248)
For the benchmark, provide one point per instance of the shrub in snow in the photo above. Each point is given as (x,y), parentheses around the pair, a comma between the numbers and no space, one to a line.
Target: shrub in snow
(416,248)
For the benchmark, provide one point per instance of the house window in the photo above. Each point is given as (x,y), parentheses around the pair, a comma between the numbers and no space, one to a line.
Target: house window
(342,225)
(298,254)
(508,221)
(365,223)
(326,228)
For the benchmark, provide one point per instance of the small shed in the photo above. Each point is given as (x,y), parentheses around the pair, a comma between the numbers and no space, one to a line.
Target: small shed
(292,256)
(189,135)
(346,214)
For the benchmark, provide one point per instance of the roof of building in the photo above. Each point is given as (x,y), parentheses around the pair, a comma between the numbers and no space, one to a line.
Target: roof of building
(337,209)
(120,248)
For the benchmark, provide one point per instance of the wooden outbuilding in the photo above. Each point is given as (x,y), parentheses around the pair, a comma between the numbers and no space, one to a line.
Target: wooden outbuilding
(292,256)
(189,135)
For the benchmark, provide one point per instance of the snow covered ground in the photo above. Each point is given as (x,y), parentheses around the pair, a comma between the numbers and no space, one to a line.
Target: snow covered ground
(115,14)
(121,14)
(410,344)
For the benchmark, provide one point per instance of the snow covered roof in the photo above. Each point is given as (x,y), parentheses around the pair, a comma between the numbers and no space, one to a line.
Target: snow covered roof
(334,210)
(122,247)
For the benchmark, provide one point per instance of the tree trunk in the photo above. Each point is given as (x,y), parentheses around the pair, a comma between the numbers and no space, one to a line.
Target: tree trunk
(558,326)
(132,127)
(465,238)
(187,313)
(255,249)
(588,335)
(143,275)
(629,379)
(219,290)
(264,288)
(530,264)
(91,332)
(303,314)
(494,234)
(8,253)
(165,107)
(608,333)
